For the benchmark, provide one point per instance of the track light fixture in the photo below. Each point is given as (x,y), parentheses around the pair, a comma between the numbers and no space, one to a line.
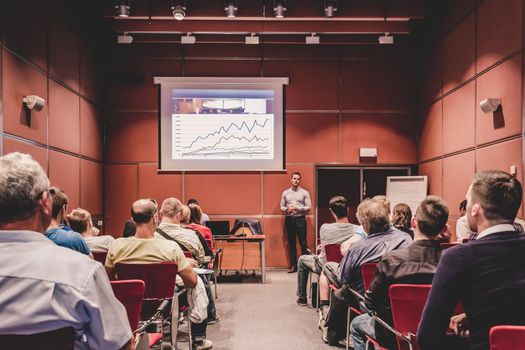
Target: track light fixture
(188,39)
(279,8)
(179,10)
(123,8)
(231,9)
(386,39)
(330,8)
(312,39)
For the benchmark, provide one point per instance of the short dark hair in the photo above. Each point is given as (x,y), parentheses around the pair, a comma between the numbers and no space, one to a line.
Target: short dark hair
(401,216)
(195,213)
(463,205)
(295,173)
(129,229)
(432,216)
(339,206)
(192,201)
(498,193)
(79,220)
(143,211)
(59,200)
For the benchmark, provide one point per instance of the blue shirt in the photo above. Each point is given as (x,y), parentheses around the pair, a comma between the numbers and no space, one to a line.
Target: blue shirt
(65,237)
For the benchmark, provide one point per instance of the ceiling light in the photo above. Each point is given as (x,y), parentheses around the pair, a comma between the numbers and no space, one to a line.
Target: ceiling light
(490,105)
(330,8)
(312,39)
(386,39)
(252,39)
(188,39)
(279,9)
(124,39)
(179,12)
(231,10)
(123,8)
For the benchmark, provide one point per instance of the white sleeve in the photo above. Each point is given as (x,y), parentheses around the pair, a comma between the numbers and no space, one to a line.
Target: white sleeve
(107,324)
(462,229)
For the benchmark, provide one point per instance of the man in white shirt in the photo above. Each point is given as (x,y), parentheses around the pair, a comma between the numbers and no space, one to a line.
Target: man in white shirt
(46,287)
(80,221)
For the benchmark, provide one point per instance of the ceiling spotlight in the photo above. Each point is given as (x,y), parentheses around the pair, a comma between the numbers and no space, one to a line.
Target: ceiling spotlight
(231,9)
(123,8)
(124,39)
(330,8)
(490,105)
(188,39)
(312,39)
(179,12)
(252,39)
(386,39)
(279,9)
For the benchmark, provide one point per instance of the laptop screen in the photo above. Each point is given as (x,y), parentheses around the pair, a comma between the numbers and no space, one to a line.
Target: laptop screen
(219,228)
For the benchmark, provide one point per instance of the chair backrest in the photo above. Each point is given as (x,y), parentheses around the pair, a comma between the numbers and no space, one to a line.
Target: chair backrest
(407,302)
(100,256)
(448,245)
(130,294)
(507,337)
(209,242)
(333,252)
(368,271)
(58,339)
(158,277)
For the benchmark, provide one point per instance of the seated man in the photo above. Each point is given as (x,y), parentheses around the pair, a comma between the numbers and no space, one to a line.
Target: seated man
(60,233)
(486,275)
(80,221)
(414,265)
(462,228)
(171,229)
(333,233)
(46,287)
(144,248)
(381,239)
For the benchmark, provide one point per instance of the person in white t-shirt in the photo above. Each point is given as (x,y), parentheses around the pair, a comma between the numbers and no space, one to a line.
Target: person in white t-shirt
(80,221)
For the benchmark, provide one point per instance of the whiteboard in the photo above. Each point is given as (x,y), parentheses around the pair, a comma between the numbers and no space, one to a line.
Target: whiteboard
(410,190)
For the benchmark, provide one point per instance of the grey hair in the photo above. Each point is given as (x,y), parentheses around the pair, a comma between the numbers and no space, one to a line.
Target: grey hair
(22,182)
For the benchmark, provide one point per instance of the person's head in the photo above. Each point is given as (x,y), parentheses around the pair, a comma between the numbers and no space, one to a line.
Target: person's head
(195,213)
(494,197)
(359,211)
(339,207)
(462,207)
(384,200)
(25,202)
(295,179)
(59,203)
(80,220)
(171,210)
(375,217)
(185,215)
(129,229)
(431,217)
(192,201)
(144,213)
(401,216)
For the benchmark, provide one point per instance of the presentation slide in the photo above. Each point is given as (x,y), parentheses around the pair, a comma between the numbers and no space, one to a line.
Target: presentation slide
(221,124)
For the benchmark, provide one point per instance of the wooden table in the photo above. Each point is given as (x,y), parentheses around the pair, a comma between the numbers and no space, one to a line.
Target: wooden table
(221,240)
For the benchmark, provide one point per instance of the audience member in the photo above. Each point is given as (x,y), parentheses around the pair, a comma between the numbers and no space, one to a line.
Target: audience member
(58,231)
(381,239)
(195,223)
(359,230)
(486,275)
(80,221)
(204,217)
(330,233)
(129,229)
(463,230)
(170,228)
(414,265)
(46,287)
(185,223)
(402,217)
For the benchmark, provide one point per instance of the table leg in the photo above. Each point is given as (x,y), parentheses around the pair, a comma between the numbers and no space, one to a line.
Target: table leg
(263,262)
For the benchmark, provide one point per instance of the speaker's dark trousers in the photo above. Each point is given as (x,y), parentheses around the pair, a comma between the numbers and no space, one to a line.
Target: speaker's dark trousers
(295,227)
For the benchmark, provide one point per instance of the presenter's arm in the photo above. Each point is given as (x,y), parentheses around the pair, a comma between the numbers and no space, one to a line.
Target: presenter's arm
(284,209)
(307,203)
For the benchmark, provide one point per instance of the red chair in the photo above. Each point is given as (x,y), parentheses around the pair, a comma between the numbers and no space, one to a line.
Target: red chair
(100,256)
(59,339)
(130,293)
(333,253)
(188,254)
(448,245)
(507,337)
(368,271)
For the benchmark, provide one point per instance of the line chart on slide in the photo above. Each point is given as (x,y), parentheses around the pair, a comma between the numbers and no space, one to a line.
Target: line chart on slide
(223,136)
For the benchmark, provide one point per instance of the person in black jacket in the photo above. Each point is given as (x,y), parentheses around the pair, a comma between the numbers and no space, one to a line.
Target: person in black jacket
(486,275)
(415,265)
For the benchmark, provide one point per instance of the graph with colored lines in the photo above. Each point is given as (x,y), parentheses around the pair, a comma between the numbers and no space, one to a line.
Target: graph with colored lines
(223,136)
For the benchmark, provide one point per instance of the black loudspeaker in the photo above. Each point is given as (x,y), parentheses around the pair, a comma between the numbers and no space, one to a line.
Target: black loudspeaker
(313,290)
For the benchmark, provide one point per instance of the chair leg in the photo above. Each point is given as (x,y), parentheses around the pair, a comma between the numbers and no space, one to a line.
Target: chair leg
(190,341)
(348,328)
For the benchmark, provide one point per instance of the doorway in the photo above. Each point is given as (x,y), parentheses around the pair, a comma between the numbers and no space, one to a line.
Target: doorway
(354,183)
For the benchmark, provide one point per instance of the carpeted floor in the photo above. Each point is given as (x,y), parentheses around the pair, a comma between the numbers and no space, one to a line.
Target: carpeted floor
(264,316)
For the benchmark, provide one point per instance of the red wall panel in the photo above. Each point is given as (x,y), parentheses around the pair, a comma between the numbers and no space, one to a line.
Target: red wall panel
(218,68)
(457,176)
(392,135)
(121,191)
(89,74)
(91,131)
(455,10)
(158,186)
(434,171)
(64,53)
(38,153)
(501,156)
(64,118)
(431,75)
(91,184)
(504,81)
(21,79)
(459,119)
(431,136)
(64,173)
